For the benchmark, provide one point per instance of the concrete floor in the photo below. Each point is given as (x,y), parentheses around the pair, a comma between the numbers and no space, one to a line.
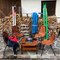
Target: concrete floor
(47,54)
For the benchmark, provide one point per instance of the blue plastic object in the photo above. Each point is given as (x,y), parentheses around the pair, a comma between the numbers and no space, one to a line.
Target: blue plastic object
(34,23)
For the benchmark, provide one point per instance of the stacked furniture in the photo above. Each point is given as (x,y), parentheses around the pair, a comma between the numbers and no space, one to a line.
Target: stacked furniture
(25,29)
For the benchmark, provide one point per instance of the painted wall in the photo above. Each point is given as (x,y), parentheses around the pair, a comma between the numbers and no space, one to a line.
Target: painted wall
(58,10)
(30,6)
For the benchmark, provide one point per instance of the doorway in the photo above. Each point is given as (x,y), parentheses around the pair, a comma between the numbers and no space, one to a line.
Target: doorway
(50,7)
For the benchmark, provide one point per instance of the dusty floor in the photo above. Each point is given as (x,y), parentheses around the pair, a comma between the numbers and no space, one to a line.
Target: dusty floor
(47,54)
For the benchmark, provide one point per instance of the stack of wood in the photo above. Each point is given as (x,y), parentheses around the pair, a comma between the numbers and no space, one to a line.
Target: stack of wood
(52,20)
(7,24)
(40,21)
(52,23)
(1,26)
(25,20)
(25,27)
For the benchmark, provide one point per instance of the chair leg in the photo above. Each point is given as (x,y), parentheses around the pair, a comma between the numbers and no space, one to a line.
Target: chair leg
(21,52)
(37,51)
(52,50)
(4,51)
(42,49)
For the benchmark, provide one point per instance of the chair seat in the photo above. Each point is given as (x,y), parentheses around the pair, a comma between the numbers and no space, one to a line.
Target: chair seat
(47,42)
(39,35)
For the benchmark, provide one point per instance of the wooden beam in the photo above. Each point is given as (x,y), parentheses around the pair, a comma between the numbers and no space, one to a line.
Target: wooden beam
(20,9)
(48,0)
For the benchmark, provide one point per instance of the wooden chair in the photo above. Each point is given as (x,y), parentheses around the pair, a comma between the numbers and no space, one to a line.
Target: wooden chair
(48,42)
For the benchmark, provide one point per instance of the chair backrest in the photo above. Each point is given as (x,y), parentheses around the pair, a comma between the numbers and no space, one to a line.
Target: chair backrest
(52,38)
(5,36)
(42,30)
(15,29)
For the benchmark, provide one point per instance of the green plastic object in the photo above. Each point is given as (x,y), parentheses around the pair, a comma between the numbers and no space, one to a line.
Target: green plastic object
(45,18)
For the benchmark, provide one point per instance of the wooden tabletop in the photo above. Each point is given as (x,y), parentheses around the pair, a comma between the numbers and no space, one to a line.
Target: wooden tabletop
(34,43)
